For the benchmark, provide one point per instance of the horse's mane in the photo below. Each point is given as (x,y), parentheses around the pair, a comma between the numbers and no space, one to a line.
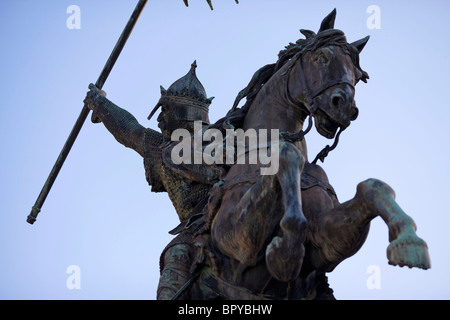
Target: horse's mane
(236,116)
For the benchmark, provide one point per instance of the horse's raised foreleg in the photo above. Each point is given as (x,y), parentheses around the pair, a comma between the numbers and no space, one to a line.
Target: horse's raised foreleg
(284,254)
(405,248)
(339,232)
(249,218)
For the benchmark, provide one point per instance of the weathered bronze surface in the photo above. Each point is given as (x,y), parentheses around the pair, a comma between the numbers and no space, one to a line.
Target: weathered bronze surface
(243,235)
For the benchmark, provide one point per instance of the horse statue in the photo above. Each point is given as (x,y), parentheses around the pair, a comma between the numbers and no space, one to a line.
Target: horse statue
(247,232)
(276,236)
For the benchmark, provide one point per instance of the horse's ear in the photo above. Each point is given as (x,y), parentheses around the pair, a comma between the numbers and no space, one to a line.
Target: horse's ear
(308,33)
(360,44)
(328,22)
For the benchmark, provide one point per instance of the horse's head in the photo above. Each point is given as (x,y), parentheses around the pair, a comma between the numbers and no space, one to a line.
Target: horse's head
(323,75)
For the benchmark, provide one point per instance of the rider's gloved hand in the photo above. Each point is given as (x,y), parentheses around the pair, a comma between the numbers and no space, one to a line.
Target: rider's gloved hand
(91,101)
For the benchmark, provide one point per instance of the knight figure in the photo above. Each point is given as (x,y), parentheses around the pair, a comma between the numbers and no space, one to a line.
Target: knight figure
(181,105)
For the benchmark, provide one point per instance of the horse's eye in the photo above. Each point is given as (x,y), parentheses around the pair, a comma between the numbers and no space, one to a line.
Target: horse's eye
(323,59)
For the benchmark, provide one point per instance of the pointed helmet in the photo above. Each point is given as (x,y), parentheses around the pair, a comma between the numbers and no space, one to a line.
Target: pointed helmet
(186,98)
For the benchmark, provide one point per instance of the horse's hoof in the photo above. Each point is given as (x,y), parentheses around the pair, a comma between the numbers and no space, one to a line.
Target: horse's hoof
(409,251)
(284,261)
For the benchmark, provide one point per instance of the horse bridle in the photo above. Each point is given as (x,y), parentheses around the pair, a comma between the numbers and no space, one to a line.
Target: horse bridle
(309,96)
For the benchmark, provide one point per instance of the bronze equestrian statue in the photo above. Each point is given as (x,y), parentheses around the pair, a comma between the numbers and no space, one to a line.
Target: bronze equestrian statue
(244,235)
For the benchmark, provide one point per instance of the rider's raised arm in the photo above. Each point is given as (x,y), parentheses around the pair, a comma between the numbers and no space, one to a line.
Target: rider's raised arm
(122,124)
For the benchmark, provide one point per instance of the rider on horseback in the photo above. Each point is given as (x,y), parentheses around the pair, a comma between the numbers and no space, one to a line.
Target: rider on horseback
(244,235)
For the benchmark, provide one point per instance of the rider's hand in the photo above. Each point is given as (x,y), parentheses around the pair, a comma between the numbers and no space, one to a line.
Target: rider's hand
(92,96)
(91,100)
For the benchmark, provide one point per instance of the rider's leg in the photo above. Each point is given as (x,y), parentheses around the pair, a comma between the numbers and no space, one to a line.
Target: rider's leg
(175,272)
(245,220)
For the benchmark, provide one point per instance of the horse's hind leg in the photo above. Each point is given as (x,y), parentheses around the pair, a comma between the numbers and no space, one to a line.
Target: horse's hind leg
(339,232)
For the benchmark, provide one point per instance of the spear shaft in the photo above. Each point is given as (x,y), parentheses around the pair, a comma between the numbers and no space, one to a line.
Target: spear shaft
(31,219)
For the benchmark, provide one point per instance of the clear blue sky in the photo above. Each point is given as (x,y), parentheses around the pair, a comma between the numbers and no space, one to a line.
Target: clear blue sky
(101,215)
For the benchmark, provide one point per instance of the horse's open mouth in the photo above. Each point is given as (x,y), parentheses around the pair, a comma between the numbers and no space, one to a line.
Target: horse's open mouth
(325,125)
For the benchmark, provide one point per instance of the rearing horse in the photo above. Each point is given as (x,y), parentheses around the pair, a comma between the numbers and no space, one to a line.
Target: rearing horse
(274,234)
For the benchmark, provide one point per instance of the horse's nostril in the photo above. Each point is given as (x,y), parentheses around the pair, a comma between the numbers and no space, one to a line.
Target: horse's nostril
(337,100)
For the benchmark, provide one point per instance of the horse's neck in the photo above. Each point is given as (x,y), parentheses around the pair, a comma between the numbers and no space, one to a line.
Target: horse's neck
(271,108)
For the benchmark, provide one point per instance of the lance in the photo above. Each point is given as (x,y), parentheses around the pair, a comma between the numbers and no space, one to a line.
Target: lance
(31,219)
